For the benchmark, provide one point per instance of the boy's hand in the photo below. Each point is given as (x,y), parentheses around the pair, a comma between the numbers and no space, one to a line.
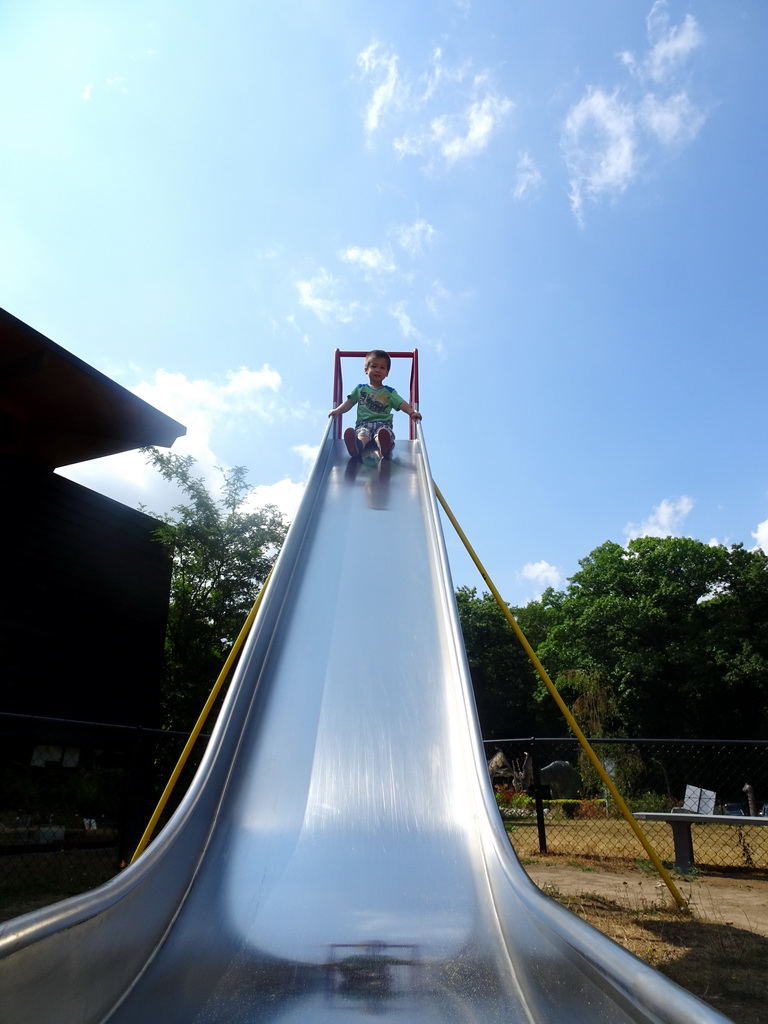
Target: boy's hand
(416,415)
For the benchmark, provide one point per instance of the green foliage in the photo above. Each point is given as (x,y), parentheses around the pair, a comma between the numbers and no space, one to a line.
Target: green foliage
(506,797)
(650,801)
(503,678)
(568,807)
(590,700)
(664,637)
(222,552)
(514,805)
(624,764)
(671,631)
(590,810)
(63,796)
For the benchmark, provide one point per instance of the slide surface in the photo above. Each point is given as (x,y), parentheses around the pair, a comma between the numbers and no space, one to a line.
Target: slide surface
(339,853)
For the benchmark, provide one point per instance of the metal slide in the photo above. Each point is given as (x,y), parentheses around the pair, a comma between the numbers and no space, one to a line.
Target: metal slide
(339,854)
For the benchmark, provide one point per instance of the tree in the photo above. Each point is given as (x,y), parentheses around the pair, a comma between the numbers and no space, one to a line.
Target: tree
(503,679)
(735,646)
(222,553)
(669,633)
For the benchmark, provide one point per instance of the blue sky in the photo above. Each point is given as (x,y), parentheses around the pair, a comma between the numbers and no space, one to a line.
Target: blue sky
(561,205)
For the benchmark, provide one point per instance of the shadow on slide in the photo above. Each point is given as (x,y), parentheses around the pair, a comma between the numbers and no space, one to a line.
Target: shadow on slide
(339,853)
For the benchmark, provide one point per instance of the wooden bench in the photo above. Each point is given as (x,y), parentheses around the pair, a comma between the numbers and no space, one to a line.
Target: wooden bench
(681,829)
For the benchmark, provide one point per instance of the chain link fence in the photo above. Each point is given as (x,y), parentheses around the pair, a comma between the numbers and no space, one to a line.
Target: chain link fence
(75,798)
(553,800)
(73,808)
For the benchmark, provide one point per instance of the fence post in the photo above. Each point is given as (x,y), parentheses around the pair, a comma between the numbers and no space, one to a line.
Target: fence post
(537,797)
(137,792)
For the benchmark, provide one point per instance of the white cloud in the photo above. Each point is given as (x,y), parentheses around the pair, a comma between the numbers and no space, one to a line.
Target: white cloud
(527,178)
(291,321)
(665,520)
(542,574)
(472,111)
(460,136)
(672,120)
(307,452)
(671,45)
(286,495)
(464,137)
(599,142)
(606,135)
(204,407)
(439,75)
(407,329)
(437,298)
(126,478)
(202,404)
(433,77)
(761,536)
(245,382)
(375,260)
(318,295)
(387,92)
(414,237)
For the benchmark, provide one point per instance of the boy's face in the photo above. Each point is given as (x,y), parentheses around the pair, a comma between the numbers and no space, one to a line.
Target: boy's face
(376,370)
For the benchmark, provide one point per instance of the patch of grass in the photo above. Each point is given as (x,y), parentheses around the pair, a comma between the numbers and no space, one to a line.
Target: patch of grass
(587,865)
(580,865)
(648,868)
(34,880)
(722,846)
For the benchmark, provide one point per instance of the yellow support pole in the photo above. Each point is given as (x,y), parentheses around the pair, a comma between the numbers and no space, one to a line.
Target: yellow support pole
(193,736)
(595,760)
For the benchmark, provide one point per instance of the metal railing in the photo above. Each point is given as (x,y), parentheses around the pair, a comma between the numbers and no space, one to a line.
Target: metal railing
(338,383)
(651,775)
(64,830)
(74,799)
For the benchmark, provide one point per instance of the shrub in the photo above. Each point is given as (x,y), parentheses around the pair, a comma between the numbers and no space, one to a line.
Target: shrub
(650,802)
(590,809)
(512,804)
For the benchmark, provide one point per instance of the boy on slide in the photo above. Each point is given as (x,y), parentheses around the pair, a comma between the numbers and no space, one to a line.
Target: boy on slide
(375,404)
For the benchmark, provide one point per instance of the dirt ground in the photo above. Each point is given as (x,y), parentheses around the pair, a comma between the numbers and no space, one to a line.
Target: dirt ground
(718,951)
(717,948)
(738,900)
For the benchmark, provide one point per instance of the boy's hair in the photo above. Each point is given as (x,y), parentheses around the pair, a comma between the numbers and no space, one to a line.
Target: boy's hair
(378,353)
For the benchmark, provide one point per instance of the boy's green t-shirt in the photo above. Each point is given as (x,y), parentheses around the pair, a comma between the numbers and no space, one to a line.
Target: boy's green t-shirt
(375,403)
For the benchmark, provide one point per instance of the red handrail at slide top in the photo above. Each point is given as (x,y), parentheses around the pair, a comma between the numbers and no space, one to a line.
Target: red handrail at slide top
(338,387)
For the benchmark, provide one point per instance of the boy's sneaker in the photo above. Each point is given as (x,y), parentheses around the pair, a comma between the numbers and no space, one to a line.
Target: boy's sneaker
(353,445)
(384,441)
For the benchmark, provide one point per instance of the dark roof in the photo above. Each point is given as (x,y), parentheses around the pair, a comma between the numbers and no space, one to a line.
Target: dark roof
(56,410)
